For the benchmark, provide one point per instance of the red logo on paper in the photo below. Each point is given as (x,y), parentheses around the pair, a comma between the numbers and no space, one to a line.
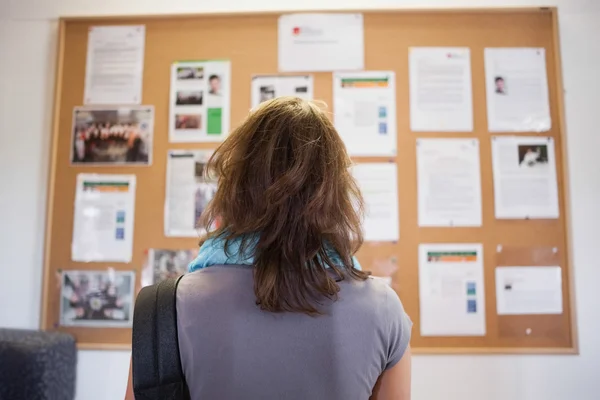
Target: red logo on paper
(296,30)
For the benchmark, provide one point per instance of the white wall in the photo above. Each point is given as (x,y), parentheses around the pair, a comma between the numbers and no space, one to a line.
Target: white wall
(28,31)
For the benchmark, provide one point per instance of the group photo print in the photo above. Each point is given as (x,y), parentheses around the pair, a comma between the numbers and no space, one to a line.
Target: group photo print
(112,135)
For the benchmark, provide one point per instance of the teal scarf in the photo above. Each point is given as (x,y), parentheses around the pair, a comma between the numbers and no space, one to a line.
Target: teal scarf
(212,252)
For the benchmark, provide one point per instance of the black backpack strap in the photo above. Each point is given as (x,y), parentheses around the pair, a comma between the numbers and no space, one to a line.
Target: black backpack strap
(156,365)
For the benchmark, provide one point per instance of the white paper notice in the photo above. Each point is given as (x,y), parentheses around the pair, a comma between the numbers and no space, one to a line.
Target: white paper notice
(451,290)
(364,105)
(189,190)
(528,290)
(115,65)
(321,42)
(449,182)
(517,90)
(441,98)
(524,177)
(103,221)
(200,101)
(268,87)
(378,183)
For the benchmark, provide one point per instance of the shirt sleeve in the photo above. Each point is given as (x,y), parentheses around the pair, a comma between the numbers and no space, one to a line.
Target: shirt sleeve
(400,327)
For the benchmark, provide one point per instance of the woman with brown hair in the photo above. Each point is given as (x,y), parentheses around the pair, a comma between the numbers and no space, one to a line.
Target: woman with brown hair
(276,306)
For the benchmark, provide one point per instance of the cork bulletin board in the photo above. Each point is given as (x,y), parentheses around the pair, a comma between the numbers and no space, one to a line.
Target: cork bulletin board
(249,41)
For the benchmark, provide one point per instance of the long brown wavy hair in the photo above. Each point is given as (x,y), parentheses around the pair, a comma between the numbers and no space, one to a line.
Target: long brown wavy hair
(284,180)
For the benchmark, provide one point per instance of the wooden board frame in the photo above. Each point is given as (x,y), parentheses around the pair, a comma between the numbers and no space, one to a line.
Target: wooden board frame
(48,318)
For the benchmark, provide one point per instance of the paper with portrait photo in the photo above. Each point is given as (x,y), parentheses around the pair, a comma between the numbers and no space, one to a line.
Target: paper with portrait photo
(378,183)
(97,299)
(364,106)
(526,290)
(200,101)
(441,98)
(103,218)
(525,183)
(189,190)
(112,135)
(449,182)
(320,42)
(451,290)
(115,65)
(267,87)
(517,90)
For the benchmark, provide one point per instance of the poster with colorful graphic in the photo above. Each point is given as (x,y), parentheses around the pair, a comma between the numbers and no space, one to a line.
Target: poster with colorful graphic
(451,290)
(103,221)
(364,112)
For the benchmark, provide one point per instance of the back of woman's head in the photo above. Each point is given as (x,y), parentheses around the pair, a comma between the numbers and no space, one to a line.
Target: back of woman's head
(285,186)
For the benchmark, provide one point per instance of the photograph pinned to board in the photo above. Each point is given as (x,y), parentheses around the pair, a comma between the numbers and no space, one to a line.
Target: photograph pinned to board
(528,290)
(164,264)
(200,101)
(378,183)
(517,90)
(451,290)
(441,97)
(384,268)
(99,299)
(364,112)
(189,190)
(112,135)
(103,218)
(449,182)
(525,184)
(267,87)
(115,65)
(320,42)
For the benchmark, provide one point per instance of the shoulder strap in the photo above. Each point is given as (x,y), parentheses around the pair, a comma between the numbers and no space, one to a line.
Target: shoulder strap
(156,366)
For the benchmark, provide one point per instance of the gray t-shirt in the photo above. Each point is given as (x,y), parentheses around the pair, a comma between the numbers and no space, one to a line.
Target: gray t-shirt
(232,350)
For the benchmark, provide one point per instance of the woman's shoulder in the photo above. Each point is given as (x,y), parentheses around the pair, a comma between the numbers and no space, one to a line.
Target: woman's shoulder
(375,286)
(225,274)
(373,294)
(388,310)
(214,281)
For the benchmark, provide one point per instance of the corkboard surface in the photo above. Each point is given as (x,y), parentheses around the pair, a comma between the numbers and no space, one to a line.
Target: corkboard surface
(250,42)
